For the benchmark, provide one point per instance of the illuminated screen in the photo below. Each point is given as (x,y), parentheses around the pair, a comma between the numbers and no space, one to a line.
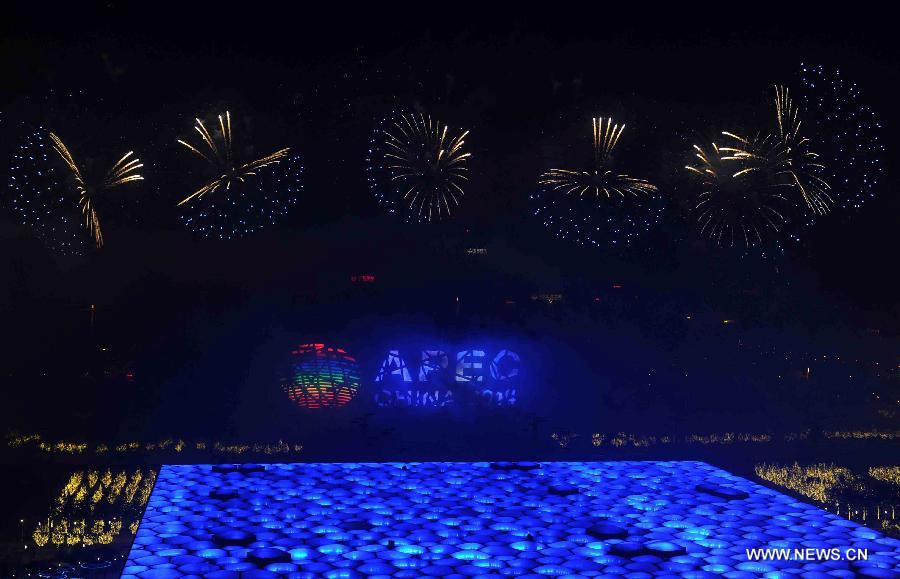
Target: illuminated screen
(321,377)
(439,378)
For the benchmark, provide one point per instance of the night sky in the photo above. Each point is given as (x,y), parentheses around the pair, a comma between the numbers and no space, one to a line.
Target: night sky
(124,76)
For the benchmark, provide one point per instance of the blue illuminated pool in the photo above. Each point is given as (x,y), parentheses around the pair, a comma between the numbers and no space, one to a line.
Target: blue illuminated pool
(634,519)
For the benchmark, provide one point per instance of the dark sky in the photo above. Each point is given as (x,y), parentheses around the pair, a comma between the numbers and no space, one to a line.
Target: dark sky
(135,75)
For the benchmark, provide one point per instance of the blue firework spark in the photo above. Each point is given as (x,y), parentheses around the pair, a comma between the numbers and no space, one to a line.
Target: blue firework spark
(847,133)
(600,205)
(259,201)
(238,197)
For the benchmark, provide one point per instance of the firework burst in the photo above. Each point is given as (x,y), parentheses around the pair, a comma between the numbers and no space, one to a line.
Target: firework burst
(847,133)
(238,196)
(47,195)
(737,202)
(794,164)
(418,166)
(753,189)
(601,180)
(122,172)
(598,205)
(221,156)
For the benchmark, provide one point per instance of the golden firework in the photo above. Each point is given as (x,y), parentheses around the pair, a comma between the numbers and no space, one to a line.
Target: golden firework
(426,164)
(750,187)
(221,156)
(793,160)
(735,200)
(785,156)
(600,179)
(123,171)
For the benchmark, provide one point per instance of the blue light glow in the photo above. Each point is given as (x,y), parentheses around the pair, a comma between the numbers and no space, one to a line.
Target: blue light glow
(635,519)
(485,380)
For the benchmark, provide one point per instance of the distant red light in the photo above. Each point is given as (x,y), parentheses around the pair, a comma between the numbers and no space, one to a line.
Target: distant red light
(617,286)
(362,278)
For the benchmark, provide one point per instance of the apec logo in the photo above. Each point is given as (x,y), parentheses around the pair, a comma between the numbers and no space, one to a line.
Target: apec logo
(473,377)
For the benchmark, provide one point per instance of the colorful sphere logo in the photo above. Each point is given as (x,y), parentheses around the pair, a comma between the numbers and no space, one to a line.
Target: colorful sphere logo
(321,377)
